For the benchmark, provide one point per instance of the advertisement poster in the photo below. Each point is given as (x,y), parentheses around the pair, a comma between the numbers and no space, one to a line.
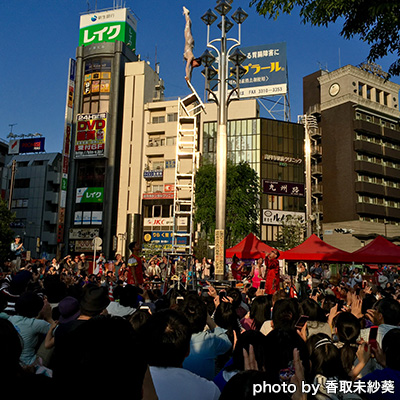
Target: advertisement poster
(90,138)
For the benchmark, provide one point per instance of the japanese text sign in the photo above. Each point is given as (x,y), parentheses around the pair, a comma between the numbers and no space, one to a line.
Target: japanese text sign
(283,188)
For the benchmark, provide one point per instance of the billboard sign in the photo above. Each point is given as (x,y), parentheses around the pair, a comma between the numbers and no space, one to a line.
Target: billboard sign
(108,26)
(158,196)
(35,145)
(90,195)
(90,138)
(162,238)
(276,217)
(283,188)
(266,71)
(21,146)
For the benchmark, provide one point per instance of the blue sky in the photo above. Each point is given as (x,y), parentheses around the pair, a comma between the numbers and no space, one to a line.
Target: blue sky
(39,36)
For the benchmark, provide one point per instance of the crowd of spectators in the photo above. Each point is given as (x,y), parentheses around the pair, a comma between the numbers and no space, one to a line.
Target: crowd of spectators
(65,328)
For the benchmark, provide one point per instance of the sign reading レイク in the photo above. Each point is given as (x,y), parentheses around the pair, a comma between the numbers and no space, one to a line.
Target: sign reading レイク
(90,195)
(108,26)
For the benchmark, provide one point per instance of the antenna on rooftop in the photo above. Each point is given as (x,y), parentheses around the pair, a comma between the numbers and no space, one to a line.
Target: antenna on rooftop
(11,127)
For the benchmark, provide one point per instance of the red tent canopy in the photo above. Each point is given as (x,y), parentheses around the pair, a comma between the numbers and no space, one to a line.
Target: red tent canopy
(250,247)
(315,249)
(379,251)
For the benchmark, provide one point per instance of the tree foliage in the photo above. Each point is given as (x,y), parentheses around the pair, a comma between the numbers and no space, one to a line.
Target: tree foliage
(242,201)
(291,234)
(6,234)
(376,22)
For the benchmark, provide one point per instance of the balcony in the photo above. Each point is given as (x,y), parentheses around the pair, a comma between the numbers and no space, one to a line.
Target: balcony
(317,208)
(317,189)
(367,127)
(316,151)
(316,170)
(316,133)
(370,188)
(363,146)
(369,167)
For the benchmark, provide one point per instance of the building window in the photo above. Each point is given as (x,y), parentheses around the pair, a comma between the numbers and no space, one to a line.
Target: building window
(22,183)
(158,120)
(96,87)
(172,117)
(157,188)
(171,141)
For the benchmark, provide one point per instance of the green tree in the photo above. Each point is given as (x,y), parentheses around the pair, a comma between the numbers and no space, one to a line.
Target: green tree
(6,234)
(242,201)
(291,233)
(375,22)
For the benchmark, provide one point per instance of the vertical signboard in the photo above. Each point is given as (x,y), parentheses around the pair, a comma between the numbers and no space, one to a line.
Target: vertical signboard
(69,107)
(108,26)
(219,252)
(90,138)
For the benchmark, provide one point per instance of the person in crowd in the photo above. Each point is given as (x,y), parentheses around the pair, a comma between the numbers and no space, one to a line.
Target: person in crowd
(257,273)
(326,365)
(135,265)
(75,264)
(236,268)
(355,278)
(317,320)
(285,314)
(302,280)
(272,272)
(93,302)
(85,359)
(316,273)
(22,381)
(153,271)
(347,331)
(236,362)
(208,341)
(119,265)
(100,264)
(32,321)
(166,336)
(389,359)
(260,311)
(386,314)
(16,250)
(83,265)
(125,301)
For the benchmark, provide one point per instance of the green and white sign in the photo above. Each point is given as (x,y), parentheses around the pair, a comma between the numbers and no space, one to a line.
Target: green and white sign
(108,26)
(90,195)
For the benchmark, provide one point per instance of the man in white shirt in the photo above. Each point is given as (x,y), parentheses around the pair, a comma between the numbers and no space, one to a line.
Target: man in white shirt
(166,336)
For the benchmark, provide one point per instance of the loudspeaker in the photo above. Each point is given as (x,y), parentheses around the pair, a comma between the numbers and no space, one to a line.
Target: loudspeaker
(292,269)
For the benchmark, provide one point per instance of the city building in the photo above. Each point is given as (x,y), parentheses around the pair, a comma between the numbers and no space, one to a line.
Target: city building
(34,201)
(355,154)
(97,162)
(275,150)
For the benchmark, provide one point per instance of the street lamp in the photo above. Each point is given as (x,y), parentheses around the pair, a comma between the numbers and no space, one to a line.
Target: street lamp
(222,55)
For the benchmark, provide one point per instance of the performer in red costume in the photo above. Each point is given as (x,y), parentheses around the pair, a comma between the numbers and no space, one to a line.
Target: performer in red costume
(272,272)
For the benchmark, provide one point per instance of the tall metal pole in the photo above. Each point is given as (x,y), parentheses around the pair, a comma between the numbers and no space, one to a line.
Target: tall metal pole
(222,146)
